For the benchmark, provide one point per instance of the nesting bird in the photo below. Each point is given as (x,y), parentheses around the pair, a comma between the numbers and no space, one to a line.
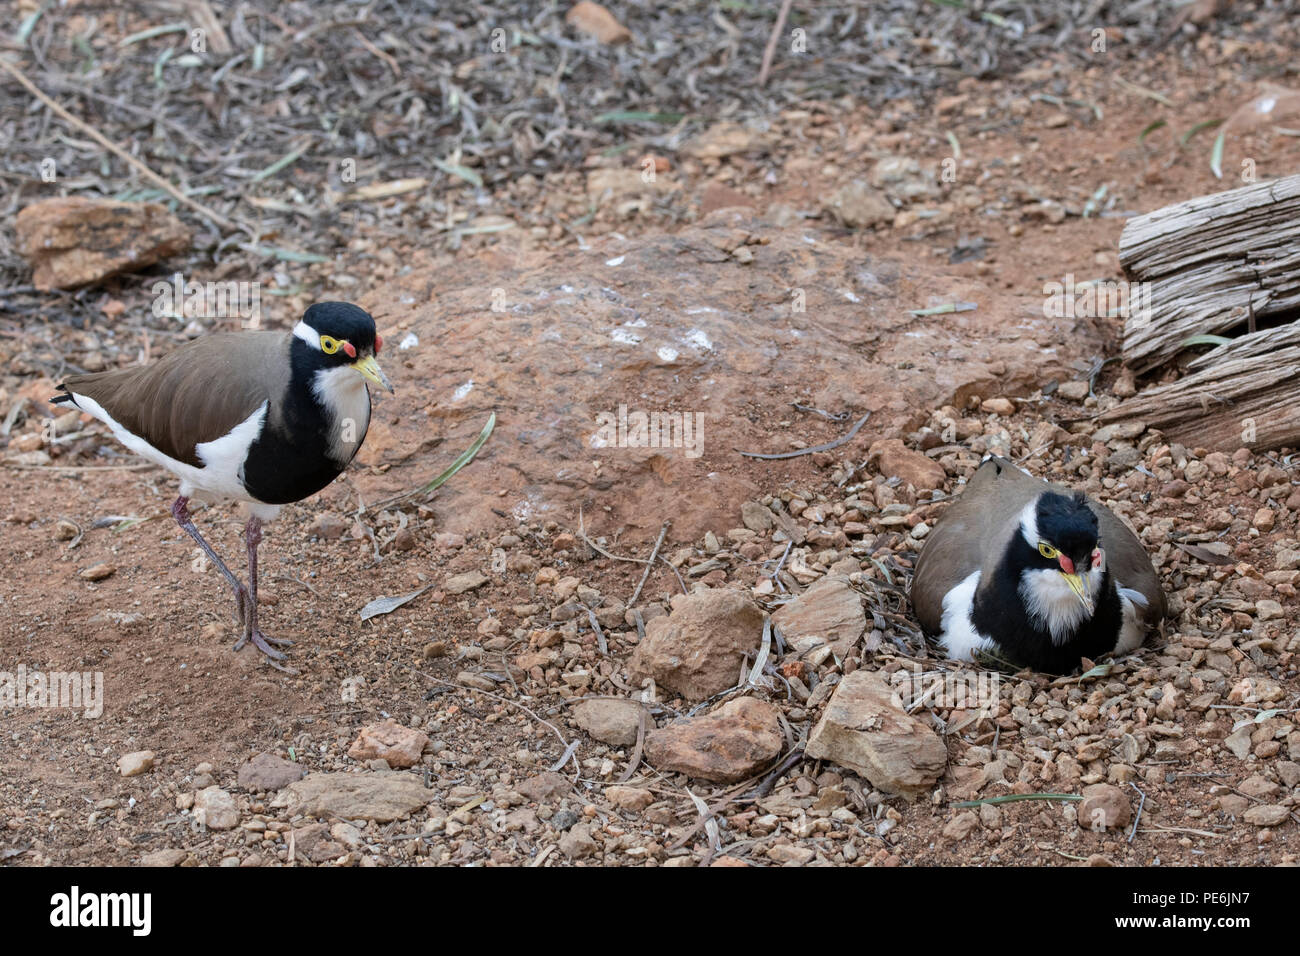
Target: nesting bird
(1034,574)
(261,418)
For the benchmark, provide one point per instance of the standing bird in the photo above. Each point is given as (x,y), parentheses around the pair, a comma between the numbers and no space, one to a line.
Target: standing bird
(1033,573)
(262,418)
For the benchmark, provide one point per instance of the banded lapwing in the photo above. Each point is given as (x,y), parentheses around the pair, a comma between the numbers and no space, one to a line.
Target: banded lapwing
(1033,574)
(261,418)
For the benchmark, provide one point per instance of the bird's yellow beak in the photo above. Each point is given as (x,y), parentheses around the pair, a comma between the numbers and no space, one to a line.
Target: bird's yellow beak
(369,369)
(1080,590)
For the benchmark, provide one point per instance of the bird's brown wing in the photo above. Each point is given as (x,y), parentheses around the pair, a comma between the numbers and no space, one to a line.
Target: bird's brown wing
(196,394)
(970,534)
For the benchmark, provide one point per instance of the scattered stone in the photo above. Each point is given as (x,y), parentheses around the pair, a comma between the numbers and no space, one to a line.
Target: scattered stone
(960,826)
(789,854)
(860,206)
(171,856)
(896,460)
(614,722)
(1074,391)
(389,741)
(1266,815)
(732,743)
(545,787)
(72,241)
(865,729)
(269,772)
(98,572)
(829,609)
(1104,807)
(355,796)
(629,798)
(998,406)
(756,517)
(696,650)
(1239,742)
(215,809)
(577,843)
(460,583)
(134,764)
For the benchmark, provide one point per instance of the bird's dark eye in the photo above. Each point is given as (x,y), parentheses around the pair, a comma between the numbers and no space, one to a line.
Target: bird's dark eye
(329,345)
(1047,551)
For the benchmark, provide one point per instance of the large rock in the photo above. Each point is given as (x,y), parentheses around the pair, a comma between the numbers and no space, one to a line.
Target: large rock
(1104,807)
(896,460)
(355,796)
(390,741)
(860,206)
(215,809)
(71,241)
(866,730)
(734,742)
(614,722)
(696,651)
(829,609)
(659,315)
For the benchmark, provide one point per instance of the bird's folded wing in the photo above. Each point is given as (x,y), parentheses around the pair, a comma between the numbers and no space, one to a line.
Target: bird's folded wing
(970,534)
(196,394)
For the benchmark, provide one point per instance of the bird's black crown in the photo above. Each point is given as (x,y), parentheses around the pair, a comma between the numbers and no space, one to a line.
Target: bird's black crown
(344,321)
(1068,524)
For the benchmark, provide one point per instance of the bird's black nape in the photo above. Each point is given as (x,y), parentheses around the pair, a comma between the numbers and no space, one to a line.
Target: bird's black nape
(1068,524)
(344,321)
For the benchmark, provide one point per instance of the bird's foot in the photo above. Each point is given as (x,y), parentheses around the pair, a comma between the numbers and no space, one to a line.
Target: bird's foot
(263,644)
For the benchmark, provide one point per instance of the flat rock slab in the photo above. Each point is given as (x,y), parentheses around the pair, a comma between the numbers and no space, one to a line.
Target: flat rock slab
(72,241)
(829,609)
(734,742)
(697,649)
(727,317)
(355,796)
(865,729)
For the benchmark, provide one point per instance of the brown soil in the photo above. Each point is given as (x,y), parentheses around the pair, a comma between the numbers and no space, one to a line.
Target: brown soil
(161,633)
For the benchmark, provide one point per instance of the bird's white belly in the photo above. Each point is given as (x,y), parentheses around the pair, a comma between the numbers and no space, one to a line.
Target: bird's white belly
(957,632)
(220,478)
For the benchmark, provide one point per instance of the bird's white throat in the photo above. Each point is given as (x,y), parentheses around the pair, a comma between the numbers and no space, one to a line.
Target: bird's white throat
(1052,605)
(342,392)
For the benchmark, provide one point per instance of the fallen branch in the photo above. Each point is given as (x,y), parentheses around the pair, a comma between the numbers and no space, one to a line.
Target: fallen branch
(815,448)
(162,183)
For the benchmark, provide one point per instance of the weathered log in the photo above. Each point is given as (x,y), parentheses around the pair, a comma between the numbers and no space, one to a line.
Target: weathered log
(1209,262)
(1251,401)
(1245,346)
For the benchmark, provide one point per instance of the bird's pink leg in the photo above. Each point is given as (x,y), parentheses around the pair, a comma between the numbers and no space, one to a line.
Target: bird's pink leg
(181,512)
(253,537)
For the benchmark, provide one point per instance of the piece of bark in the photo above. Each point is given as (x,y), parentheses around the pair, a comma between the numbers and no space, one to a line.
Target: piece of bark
(1251,401)
(1210,262)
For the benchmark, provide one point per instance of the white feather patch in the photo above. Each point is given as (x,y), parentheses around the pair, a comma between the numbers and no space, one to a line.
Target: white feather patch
(1052,605)
(1029,522)
(957,633)
(309,335)
(342,391)
(220,478)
